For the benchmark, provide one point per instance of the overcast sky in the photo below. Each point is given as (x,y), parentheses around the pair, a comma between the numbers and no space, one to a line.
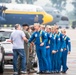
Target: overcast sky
(69,6)
(42,2)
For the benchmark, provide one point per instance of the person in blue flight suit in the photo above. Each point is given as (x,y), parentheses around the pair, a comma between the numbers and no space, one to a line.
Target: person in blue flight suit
(40,38)
(66,51)
(48,51)
(59,46)
(53,49)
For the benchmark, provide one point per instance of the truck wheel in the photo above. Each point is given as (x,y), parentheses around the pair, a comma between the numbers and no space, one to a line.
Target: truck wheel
(67,27)
(73,27)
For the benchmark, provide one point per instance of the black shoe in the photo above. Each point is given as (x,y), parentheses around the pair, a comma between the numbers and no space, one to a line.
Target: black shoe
(47,72)
(58,72)
(65,71)
(52,72)
(40,72)
(62,71)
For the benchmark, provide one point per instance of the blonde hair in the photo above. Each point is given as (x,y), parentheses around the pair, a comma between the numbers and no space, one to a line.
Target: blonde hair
(42,26)
(48,26)
(37,24)
(63,30)
(56,26)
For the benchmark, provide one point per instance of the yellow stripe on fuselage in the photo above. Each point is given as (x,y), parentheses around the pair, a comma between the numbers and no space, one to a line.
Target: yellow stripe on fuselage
(22,12)
(46,17)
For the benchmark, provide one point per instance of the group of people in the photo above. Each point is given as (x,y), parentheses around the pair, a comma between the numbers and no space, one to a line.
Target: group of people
(52,47)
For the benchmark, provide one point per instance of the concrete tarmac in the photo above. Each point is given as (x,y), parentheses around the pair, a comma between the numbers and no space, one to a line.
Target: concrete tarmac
(71,58)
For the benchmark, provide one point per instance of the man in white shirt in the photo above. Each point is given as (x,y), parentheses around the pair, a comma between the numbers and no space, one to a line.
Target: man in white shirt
(17,39)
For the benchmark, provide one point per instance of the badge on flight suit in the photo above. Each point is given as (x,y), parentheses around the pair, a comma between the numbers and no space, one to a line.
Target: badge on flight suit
(50,35)
(59,39)
(69,41)
(35,35)
(45,34)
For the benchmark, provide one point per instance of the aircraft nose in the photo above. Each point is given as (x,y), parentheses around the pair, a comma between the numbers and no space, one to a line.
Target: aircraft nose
(47,18)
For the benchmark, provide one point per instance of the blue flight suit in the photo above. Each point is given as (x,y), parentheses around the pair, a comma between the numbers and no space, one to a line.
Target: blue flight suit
(57,58)
(39,37)
(48,54)
(67,47)
(52,47)
(59,46)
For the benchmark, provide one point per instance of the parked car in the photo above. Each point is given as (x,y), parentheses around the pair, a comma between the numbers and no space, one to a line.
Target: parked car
(64,22)
(74,24)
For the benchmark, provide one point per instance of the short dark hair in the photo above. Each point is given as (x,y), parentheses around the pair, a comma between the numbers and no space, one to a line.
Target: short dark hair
(25,25)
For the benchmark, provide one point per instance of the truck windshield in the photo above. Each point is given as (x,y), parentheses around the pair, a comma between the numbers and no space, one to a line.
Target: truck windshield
(4,34)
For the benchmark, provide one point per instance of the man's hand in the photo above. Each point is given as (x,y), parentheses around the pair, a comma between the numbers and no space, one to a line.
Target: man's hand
(32,43)
(69,52)
(25,39)
(47,46)
(8,40)
(30,48)
(53,52)
(41,44)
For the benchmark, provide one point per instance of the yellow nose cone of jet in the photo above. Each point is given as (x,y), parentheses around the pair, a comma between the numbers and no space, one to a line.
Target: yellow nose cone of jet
(47,18)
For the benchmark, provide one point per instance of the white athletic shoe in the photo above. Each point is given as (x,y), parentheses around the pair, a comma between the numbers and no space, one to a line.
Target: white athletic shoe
(15,72)
(23,72)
